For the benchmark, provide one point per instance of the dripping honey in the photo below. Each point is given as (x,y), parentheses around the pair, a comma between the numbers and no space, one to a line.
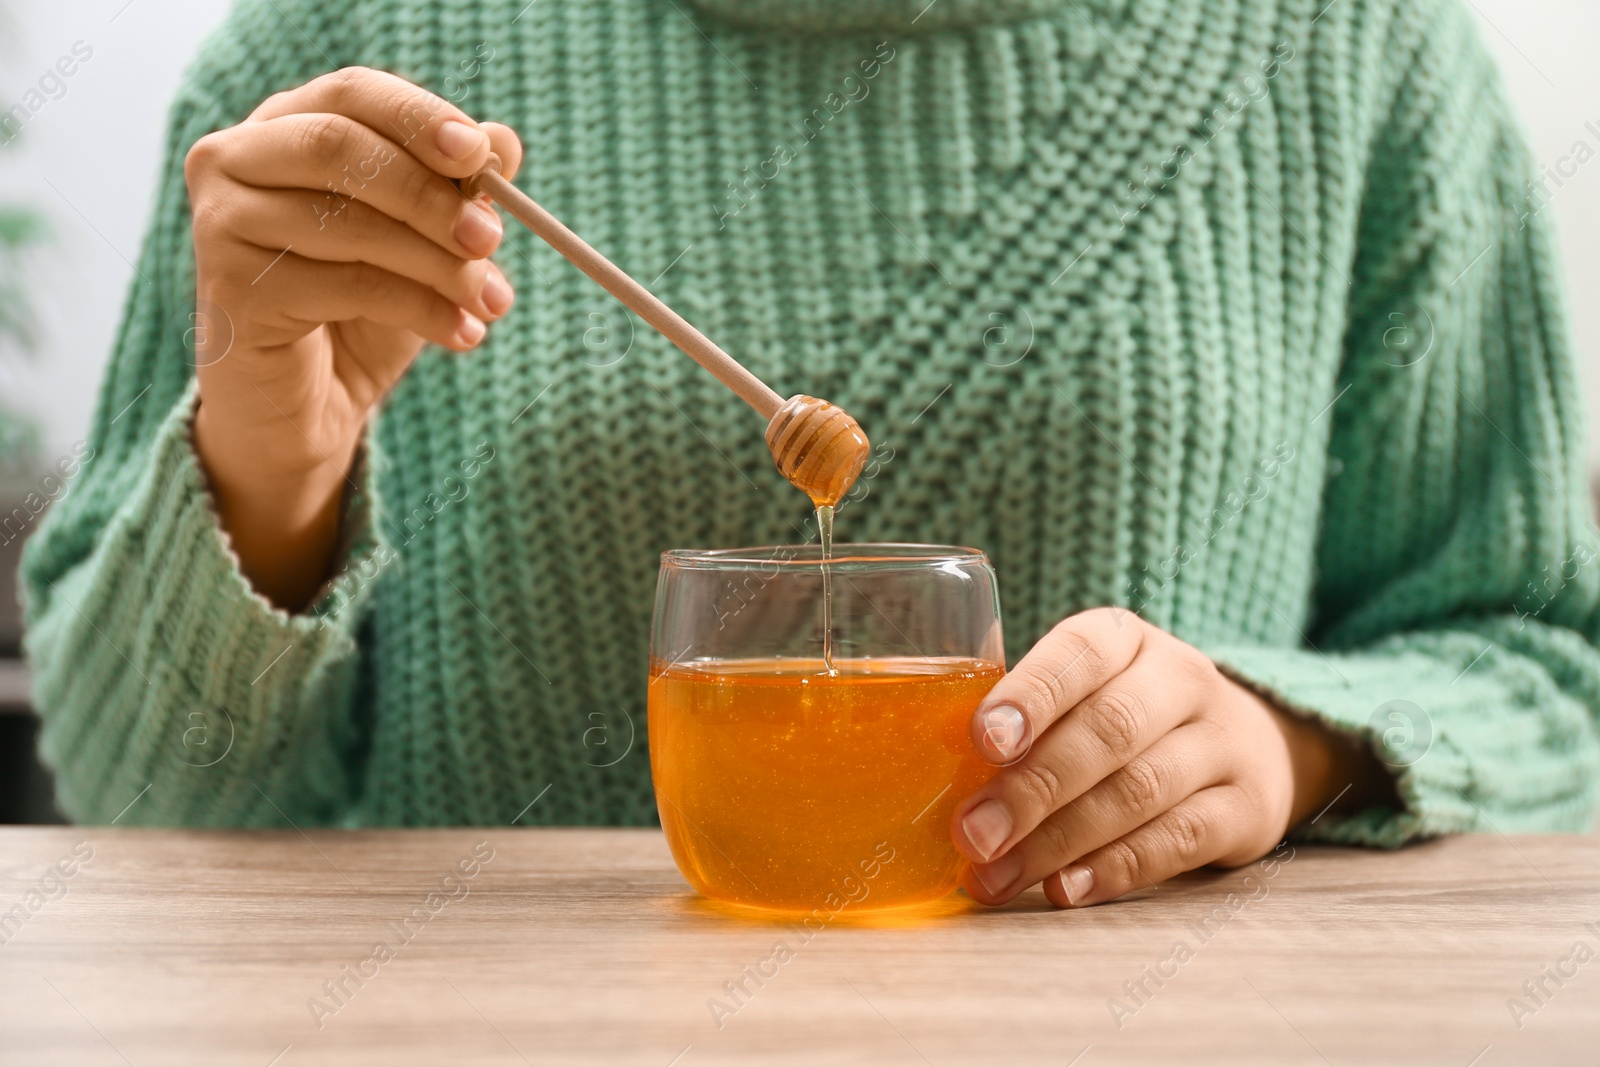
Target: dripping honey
(825,537)
(843,768)
(822,451)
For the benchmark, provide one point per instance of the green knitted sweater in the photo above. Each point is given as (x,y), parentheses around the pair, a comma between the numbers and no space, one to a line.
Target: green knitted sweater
(1236,312)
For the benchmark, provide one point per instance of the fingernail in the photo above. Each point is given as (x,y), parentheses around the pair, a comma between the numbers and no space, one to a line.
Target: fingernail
(996,877)
(1001,734)
(987,826)
(457,140)
(472,330)
(479,231)
(1076,883)
(497,294)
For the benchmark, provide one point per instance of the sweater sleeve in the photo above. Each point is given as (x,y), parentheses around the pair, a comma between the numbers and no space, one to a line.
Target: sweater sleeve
(170,692)
(1455,619)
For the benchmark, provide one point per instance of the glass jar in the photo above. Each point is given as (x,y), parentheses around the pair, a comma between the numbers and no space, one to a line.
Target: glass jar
(783,784)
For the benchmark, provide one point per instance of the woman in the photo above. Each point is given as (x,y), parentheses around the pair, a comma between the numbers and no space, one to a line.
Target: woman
(1226,329)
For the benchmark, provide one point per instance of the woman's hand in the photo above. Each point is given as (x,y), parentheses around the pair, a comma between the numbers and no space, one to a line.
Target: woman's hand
(1131,758)
(330,245)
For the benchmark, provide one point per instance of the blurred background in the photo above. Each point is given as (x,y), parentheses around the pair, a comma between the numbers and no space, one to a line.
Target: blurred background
(77,176)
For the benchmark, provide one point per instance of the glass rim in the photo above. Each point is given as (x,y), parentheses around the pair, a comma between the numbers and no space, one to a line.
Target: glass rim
(896,554)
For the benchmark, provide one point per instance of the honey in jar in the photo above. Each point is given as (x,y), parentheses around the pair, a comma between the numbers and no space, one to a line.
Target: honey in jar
(787,785)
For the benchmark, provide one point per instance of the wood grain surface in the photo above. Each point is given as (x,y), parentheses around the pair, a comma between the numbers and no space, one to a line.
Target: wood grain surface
(585,947)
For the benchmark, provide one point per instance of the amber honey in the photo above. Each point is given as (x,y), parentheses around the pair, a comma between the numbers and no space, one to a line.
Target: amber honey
(782,785)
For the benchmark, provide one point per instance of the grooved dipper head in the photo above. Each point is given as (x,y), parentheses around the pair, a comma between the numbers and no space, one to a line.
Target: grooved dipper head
(818,447)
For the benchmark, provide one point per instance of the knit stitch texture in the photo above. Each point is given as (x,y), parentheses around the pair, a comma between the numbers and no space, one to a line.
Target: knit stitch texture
(1235,312)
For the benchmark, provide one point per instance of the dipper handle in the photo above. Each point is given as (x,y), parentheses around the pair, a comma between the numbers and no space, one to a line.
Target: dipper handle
(815,444)
(696,345)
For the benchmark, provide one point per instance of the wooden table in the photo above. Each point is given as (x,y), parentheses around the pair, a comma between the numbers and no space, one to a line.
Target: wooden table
(585,947)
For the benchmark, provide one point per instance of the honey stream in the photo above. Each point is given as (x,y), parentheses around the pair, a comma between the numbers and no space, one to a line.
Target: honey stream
(825,533)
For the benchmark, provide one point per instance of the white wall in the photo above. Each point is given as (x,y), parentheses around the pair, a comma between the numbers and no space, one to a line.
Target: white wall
(99,145)
(1546,50)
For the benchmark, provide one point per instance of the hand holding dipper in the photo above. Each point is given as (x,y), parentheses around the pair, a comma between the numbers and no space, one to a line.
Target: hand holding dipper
(815,444)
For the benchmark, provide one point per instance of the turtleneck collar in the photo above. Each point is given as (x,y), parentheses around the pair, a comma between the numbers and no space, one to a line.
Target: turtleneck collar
(897,16)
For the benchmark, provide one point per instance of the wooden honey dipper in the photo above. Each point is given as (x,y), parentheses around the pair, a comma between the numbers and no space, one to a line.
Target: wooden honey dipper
(815,444)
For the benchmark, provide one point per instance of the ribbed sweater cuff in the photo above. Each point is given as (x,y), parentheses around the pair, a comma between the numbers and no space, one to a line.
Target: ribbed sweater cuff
(1363,696)
(165,633)
(233,640)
